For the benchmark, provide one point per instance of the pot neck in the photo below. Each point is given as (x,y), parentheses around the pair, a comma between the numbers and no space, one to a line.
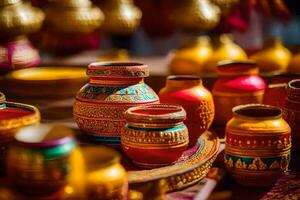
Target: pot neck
(97,81)
(183,82)
(293,91)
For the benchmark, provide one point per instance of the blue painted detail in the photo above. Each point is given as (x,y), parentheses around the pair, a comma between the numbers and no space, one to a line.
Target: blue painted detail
(247,160)
(105,140)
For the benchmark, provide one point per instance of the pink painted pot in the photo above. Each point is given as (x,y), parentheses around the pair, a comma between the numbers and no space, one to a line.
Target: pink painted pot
(18,54)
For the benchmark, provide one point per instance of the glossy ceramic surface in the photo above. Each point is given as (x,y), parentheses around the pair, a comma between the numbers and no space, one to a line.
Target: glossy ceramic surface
(38,161)
(275,94)
(291,111)
(197,101)
(238,84)
(112,89)
(258,143)
(188,170)
(154,135)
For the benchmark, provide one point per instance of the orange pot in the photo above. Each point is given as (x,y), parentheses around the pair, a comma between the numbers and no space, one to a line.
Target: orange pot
(197,101)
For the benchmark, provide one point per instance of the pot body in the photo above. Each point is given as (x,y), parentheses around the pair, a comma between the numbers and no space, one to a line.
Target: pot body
(190,58)
(13,117)
(43,167)
(101,103)
(16,54)
(154,143)
(197,101)
(238,84)
(275,95)
(257,150)
(291,111)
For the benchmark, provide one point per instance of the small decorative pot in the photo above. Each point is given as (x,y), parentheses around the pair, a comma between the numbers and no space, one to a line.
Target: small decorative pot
(155,135)
(113,88)
(291,111)
(12,117)
(238,84)
(101,163)
(258,143)
(39,160)
(197,101)
(275,95)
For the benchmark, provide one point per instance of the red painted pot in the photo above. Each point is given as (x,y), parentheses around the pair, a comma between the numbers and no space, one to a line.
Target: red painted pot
(17,54)
(197,101)
(155,135)
(275,95)
(112,89)
(238,84)
(291,111)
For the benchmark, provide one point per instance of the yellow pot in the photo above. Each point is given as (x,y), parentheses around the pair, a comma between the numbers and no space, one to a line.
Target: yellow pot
(274,57)
(224,48)
(190,58)
(294,66)
(258,143)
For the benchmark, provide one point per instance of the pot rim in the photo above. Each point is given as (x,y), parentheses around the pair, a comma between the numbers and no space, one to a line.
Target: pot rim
(35,136)
(17,122)
(170,114)
(118,69)
(290,84)
(248,68)
(254,111)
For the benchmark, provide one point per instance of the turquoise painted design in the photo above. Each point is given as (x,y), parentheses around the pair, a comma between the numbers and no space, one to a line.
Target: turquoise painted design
(267,161)
(175,128)
(50,153)
(138,92)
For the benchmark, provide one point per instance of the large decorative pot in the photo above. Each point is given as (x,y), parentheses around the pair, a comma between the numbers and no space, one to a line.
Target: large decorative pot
(38,161)
(12,117)
(291,111)
(238,84)
(155,135)
(113,88)
(258,143)
(197,101)
(189,59)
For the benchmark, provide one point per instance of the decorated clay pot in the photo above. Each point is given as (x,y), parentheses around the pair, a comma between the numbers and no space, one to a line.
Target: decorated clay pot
(274,57)
(258,143)
(38,161)
(155,135)
(197,101)
(113,88)
(189,59)
(275,95)
(291,111)
(17,53)
(238,84)
(12,117)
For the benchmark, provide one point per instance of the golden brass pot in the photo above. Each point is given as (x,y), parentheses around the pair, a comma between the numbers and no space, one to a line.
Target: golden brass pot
(195,15)
(224,48)
(122,17)
(18,18)
(79,17)
(274,57)
(258,143)
(189,59)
